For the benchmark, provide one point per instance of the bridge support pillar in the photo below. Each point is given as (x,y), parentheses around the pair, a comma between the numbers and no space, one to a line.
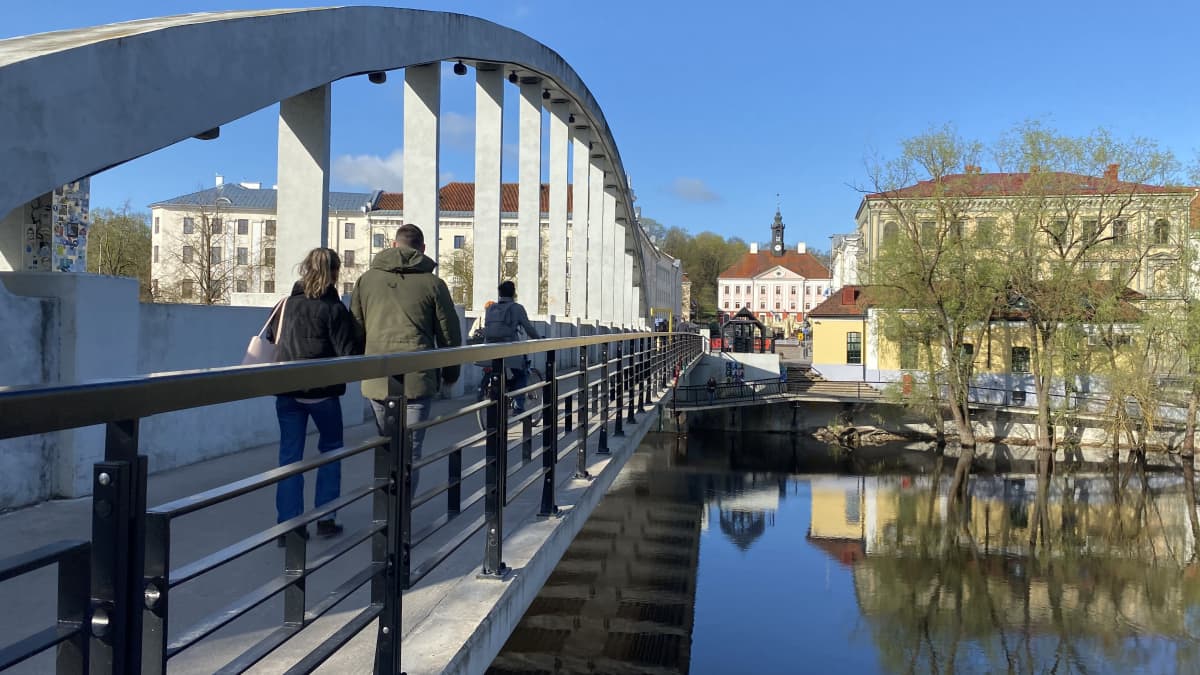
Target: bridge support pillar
(489,125)
(422,111)
(579,221)
(529,194)
(556,299)
(610,265)
(597,246)
(303,170)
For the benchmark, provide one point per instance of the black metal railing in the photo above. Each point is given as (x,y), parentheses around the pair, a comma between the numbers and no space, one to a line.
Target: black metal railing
(728,392)
(115,592)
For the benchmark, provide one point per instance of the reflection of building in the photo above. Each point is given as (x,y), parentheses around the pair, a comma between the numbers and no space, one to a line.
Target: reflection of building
(777,284)
(686,295)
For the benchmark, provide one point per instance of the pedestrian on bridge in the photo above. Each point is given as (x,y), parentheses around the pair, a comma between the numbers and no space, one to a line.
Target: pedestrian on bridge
(400,306)
(711,385)
(313,324)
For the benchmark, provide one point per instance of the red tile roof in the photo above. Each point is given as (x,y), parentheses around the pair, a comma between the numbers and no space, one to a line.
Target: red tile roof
(849,301)
(461,197)
(753,264)
(1000,184)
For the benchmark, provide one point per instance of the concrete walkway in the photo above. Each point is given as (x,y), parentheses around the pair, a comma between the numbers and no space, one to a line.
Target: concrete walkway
(453,622)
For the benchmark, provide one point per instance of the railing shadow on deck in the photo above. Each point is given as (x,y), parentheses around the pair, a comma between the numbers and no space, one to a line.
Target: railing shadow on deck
(114,593)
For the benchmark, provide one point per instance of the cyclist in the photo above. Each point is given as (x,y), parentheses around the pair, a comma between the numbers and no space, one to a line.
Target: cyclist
(503,320)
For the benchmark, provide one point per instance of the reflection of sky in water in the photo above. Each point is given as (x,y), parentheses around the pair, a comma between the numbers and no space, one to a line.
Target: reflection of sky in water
(806,570)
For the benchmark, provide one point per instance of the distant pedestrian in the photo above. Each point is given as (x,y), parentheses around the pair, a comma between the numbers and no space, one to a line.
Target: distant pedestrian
(314,324)
(712,389)
(400,306)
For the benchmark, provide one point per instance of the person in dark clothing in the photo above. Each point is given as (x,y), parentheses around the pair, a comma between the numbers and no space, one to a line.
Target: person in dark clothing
(504,321)
(314,325)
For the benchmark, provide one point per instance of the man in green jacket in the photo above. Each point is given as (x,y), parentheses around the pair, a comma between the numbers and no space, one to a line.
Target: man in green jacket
(402,307)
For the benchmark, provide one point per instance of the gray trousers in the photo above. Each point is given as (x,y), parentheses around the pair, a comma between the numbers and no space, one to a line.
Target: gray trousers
(418,411)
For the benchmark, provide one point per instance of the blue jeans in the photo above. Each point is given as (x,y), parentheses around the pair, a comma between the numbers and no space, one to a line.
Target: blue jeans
(293,431)
(418,411)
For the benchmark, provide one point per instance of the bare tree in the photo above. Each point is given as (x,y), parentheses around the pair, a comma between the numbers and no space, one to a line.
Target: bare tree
(208,264)
(460,274)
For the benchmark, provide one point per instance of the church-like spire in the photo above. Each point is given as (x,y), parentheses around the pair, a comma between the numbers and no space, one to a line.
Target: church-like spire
(777,245)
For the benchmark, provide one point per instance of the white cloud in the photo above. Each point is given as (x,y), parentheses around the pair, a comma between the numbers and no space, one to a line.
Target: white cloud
(371,171)
(458,131)
(693,190)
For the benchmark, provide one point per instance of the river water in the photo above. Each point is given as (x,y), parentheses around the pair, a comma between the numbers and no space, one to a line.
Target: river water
(763,554)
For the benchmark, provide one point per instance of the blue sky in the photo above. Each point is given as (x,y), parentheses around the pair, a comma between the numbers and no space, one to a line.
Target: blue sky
(717,107)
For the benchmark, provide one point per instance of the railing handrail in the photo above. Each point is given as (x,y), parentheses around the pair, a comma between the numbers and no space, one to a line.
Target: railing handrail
(45,408)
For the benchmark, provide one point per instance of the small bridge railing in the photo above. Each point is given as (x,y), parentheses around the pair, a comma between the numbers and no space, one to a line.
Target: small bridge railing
(115,593)
(749,390)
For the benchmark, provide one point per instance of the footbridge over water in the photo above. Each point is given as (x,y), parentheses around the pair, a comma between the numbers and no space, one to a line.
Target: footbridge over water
(188,576)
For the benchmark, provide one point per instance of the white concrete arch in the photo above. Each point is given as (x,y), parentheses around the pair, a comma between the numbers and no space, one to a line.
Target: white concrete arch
(141,86)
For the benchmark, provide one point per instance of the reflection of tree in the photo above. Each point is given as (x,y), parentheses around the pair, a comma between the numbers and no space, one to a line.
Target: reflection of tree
(743,527)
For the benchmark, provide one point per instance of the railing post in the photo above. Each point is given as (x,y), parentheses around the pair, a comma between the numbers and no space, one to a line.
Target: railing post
(386,546)
(549,438)
(604,408)
(581,471)
(156,594)
(631,384)
(643,370)
(118,551)
(526,439)
(495,475)
(74,580)
(619,423)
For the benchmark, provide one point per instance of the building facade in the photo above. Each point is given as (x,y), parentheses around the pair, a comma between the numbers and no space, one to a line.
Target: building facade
(780,286)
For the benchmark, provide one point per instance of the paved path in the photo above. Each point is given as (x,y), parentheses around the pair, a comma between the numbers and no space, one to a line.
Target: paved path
(440,613)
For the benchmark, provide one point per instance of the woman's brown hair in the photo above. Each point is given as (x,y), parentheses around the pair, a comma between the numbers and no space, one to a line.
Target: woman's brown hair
(319,271)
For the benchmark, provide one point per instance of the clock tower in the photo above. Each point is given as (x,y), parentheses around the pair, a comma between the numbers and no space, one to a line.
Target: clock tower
(777,245)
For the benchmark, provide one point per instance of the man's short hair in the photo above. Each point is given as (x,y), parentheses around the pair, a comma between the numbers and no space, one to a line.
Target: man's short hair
(508,289)
(410,235)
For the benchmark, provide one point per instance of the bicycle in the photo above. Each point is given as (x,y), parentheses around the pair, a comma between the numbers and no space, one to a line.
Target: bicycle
(532,399)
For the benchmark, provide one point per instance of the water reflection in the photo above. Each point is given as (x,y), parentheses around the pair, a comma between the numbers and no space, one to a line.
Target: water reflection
(761,554)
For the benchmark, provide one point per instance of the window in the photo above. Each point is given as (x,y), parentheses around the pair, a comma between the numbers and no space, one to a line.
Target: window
(378,240)
(726,289)
(819,289)
(348,258)
(1119,231)
(808,290)
(269,256)
(807,306)
(243,226)
(155,224)
(1090,229)
(269,228)
(762,304)
(853,347)
(778,305)
(1020,359)
(268,287)
(890,232)
(779,290)
(793,306)
(214,254)
(241,286)
(216,226)
(747,290)
(349,234)
(243,255)
(853,510)
(1162,231)
(793,290)
(908,354)
(154,287)
(727,305)
(928,231)
(347,288)
(187,288)
(762,290)
(459,241)
(510,243)
(985,228)
(189,226)
(967,352)
(155,254)
(188,252)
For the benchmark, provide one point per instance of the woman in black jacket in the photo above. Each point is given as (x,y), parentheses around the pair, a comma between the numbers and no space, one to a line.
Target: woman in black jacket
(315,325)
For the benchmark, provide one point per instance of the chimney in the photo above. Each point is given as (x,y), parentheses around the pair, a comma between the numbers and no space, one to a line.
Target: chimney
(1110,173)
(848,295)
(754,248)
(220,180)
(251,186)
(801,248)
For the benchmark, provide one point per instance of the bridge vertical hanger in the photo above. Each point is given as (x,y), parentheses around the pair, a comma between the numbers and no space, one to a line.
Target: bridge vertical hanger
(489,130)
(302,205)
(613,266)
(556,300)
(529,194)
(596,242)
(422,111)
(580,182)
